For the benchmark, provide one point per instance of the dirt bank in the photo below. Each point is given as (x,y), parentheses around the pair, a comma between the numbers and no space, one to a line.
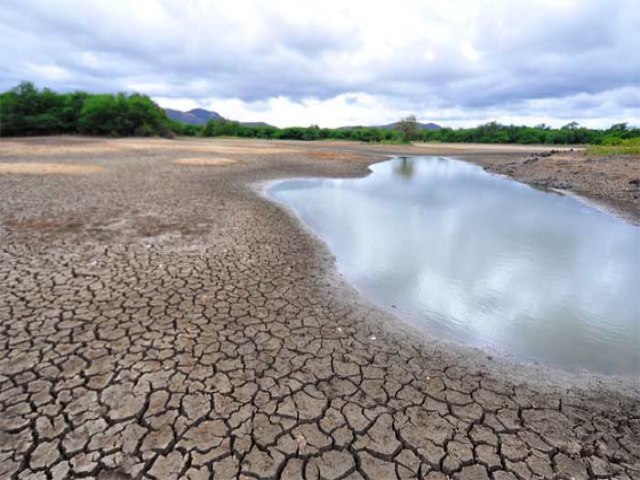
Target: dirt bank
(164,321)
(612,182)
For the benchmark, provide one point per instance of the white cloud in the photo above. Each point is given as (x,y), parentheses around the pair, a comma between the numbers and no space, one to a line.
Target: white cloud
(52,73)
(299,62)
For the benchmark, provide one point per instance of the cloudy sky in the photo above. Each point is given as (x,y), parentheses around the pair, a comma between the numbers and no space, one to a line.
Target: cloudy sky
(340,62)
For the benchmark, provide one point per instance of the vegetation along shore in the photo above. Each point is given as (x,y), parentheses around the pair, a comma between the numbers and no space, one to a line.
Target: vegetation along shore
(27,110)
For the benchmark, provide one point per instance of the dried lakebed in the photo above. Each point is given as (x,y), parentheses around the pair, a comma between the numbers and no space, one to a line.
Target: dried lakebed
(484,260)
(160,321)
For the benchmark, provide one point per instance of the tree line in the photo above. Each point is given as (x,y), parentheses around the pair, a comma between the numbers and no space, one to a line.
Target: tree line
(27,110)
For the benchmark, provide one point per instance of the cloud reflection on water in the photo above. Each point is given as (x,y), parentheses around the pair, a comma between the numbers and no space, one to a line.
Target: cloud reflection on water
(484,260)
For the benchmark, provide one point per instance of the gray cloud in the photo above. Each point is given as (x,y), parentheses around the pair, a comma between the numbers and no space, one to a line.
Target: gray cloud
(462,61)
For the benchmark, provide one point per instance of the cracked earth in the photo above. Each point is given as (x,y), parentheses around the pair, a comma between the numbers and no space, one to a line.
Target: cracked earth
(164,321)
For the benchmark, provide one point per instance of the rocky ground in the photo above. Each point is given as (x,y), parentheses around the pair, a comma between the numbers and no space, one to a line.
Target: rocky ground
(162,320)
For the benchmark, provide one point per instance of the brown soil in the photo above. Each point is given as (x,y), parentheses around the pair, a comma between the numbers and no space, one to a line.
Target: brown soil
(168,322)
(324,155)
(36,168)
(204,161)
(55,146)
(612,182)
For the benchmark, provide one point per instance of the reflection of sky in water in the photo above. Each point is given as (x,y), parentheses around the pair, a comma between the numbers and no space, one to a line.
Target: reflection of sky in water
(484,260)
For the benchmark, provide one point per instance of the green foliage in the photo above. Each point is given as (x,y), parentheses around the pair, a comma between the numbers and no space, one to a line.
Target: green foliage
(122,115)
(616,146)
(25,110)
(570,134)
(184,129)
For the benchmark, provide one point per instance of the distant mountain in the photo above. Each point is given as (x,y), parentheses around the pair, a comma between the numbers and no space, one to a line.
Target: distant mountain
(200,116)
(197,116)
(392,126)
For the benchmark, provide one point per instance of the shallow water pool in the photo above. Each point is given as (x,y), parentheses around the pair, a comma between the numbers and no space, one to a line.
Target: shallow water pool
(483,260)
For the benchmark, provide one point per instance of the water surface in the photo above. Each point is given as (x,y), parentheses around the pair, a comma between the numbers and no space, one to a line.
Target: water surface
(484,260)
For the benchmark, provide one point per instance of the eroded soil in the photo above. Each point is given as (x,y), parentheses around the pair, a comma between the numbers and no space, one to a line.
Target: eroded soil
(165,321)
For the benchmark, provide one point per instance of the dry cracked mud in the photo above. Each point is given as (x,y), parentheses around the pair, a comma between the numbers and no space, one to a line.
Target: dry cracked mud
(162,322)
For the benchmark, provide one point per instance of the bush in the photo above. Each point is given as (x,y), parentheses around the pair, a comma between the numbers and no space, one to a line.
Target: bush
(25,110)
(617,146)
(612,140)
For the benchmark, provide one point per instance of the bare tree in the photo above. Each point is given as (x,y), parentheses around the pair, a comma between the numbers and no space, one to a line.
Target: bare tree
(408,126)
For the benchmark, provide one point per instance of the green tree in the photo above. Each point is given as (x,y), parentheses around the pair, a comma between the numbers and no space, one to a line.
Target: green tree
(122,115)
(25,110)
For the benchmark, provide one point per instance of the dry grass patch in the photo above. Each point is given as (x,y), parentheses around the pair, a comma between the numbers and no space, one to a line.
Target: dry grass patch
(204,161)
(22,168)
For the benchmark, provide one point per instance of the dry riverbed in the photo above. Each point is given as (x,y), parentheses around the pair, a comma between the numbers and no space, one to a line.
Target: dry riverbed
(160,319)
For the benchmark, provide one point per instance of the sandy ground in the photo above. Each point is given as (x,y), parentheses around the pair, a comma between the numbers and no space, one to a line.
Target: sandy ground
(165,321)
(39,168)
(204,161)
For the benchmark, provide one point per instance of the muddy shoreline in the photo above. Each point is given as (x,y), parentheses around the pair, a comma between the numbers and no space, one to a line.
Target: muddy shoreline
(163,320)
(617,193)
